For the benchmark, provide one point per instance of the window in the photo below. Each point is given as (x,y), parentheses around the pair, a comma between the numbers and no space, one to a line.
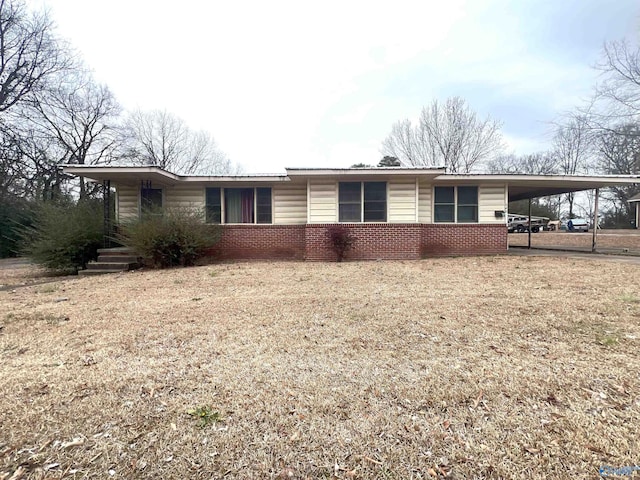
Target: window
(150,201)
(240,205)
(362,201)
(263,205)
(455,204)
(444,204)
(213,206)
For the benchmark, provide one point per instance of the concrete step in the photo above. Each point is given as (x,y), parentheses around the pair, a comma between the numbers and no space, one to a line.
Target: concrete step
(84,273)
(113,258)
(122,266)
(117,250)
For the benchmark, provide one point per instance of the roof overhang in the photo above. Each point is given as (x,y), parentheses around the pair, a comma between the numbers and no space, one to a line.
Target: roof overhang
(364,173)
(158,176)
(635,198)
(522,187)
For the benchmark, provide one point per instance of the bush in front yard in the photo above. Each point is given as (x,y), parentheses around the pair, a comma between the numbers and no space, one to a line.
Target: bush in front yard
(170,237)
(64,236)
(340,240)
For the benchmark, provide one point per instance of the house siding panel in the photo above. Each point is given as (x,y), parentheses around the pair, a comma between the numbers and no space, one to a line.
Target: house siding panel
(490,199)
(128,203)
(424,202)
(401,200)
(290,204)
(184,196)
(322,202)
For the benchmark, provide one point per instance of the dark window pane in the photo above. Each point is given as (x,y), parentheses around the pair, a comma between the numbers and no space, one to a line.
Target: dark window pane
(349,192)
(349,212)
(349,208)
(444,195)
(375,212)
(375,191)
(443,213)
(375,202)
(467,213)
(151,201)
(212,205)
(263,205)
(238,205)
(467,195)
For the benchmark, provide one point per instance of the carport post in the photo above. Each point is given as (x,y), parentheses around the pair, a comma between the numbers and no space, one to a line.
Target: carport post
(595,222)
(529,229)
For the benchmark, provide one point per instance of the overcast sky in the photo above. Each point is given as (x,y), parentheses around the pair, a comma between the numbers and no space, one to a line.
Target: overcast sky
(301,84)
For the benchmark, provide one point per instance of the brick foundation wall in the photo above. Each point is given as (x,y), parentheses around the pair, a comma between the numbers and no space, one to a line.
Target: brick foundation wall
(463,239)
(371,241)
(261,242)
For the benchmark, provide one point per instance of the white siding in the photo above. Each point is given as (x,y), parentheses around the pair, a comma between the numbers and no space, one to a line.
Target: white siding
(401,194)
(322,201)
(183,196)
(289,204)
(490,199)
(424,202)
(128,203)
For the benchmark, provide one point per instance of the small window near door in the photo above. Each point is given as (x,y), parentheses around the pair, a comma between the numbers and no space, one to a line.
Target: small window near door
(151,201)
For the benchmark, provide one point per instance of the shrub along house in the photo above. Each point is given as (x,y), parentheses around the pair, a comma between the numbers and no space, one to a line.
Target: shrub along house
(392,213)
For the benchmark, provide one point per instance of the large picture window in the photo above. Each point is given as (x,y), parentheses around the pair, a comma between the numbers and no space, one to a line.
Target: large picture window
(239,205)
(362,202)
(455,204)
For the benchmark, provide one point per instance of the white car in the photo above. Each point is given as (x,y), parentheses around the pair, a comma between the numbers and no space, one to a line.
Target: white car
(577,225)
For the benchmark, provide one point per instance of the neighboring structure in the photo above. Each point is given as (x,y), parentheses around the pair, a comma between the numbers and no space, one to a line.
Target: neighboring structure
(393,213)
(635,200)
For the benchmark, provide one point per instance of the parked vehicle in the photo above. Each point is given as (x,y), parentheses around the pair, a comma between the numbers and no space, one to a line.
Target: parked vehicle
(577,225)
(520,223)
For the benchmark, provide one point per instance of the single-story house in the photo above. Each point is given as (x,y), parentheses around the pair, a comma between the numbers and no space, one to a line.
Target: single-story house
(636,200)
(392,212)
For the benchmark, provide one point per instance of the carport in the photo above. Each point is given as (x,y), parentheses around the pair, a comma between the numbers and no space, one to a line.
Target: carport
(528,187)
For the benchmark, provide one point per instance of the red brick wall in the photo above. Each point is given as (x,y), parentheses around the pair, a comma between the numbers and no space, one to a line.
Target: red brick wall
(463,239)
(371,241)
(261,242)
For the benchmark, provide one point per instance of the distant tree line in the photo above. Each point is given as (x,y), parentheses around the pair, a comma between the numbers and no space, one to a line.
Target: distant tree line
(53,112)
(600,137)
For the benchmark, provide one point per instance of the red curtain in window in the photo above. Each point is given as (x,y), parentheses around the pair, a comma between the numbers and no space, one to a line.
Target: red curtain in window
(247,206)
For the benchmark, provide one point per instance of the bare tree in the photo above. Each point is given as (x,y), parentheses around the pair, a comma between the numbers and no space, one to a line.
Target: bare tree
(539,163)
(573,145)
(159,138)
(29,53)
(80,116)
(449,135)
(620,87)
(619,154)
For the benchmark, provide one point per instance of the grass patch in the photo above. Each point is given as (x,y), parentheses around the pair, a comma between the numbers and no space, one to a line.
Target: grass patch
(205,415)
(445,368)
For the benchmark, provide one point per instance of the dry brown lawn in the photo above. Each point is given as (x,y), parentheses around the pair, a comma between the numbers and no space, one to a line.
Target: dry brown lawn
(491,367)
(619,240)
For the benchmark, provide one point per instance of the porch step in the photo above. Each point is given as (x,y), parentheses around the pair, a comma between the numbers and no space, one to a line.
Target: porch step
(85,273)
(112,260)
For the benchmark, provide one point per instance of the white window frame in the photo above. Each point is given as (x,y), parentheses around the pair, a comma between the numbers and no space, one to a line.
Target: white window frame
(455,204)
(223,220)
(386,200)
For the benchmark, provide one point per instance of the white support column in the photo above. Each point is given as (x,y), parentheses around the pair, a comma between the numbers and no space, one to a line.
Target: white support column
(595,222)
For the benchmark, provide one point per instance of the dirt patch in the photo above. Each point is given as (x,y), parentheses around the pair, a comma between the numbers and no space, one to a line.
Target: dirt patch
(457,368)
